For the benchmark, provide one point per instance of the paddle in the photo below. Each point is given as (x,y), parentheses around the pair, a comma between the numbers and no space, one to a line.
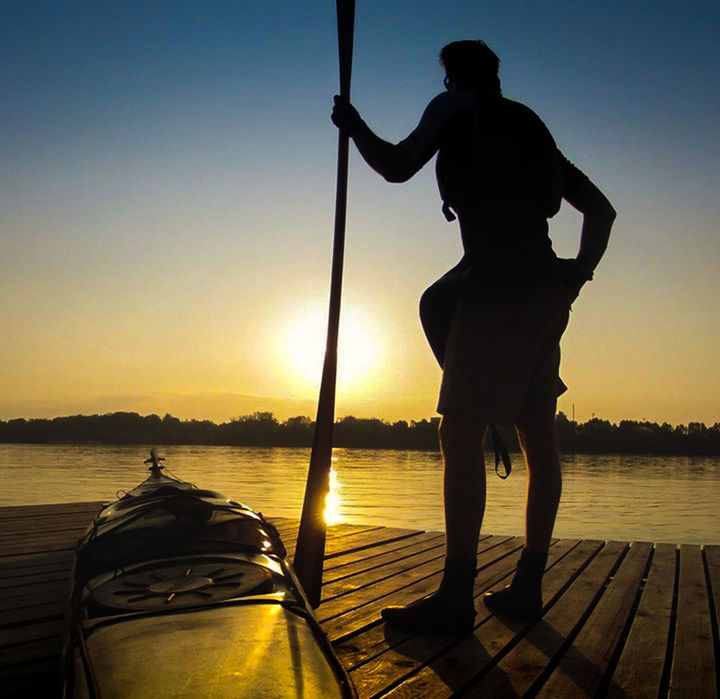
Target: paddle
(310,549)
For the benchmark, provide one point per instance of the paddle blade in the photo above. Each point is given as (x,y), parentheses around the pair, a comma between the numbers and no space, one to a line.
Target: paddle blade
(346,23)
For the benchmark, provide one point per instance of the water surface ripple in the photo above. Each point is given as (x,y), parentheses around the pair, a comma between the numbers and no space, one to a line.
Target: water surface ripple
(649,498)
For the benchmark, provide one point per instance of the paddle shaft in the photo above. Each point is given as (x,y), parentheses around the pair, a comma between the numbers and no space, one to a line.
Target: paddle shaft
(310,549)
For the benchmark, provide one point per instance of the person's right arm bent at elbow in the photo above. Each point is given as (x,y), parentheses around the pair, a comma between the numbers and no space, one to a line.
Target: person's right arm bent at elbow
(598,217)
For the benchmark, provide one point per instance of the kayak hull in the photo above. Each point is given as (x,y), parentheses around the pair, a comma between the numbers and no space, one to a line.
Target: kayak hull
(181,592)
(246,650)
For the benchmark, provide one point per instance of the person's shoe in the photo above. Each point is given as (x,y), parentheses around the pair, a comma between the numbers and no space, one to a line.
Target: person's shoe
(513,603)
(436,614)
(522,598)
(449,611)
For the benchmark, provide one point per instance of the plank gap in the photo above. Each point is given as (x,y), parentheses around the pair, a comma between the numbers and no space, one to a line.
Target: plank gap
(374,544)
(35,621)
(713,616)
(669,649)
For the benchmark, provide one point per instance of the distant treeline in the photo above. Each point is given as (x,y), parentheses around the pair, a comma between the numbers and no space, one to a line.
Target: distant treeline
(263,429)
(258,429)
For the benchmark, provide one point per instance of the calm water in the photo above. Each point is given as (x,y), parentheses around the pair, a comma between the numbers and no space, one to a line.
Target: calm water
(622,497)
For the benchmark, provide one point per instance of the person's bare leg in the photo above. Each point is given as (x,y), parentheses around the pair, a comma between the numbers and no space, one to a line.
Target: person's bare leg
(523,597)
(539,445)
(451,610)
(461,443)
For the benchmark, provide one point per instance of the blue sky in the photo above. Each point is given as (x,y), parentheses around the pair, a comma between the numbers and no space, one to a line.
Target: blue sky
(167,193)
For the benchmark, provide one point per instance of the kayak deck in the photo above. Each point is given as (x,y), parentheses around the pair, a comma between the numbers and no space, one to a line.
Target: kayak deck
(621,618)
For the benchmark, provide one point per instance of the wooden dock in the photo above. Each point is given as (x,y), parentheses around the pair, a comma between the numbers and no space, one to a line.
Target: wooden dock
(622,619)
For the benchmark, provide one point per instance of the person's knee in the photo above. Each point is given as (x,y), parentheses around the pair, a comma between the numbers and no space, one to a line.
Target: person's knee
(427,305)
(537,440)
(459,431)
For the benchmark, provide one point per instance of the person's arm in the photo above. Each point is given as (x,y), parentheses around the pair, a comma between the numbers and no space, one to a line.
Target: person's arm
(393,162)
(598,217)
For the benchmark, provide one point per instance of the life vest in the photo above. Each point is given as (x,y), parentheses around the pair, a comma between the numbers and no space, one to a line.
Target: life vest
(513,167)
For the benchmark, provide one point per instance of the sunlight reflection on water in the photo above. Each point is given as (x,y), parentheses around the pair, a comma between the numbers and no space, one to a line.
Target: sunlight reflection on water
(606,497)
(333,501)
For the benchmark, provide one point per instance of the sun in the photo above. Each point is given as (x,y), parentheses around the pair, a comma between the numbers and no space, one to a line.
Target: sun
(305,338)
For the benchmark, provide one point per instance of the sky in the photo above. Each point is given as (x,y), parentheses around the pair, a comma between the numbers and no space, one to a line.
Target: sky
(167,189)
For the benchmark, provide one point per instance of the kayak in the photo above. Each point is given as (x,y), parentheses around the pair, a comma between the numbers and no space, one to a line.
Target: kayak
(182,592)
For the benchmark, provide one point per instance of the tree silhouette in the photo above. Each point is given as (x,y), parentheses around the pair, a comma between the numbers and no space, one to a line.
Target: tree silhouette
(263,429)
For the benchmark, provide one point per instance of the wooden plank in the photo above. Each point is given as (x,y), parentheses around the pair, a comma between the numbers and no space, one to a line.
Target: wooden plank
(409,583)
(356,562)
(31,652)
(347,528)
(382,655)
(25,564)
(18,542)
(345,540)
(13,596)
(339,538)
(19,635)
(362,541)
(351,541)
(432,666)
(22,527)
(36,546)
(365,578)
(367,601)
(693,664)
(584,664)
(640,668)
(35,614)
(569,588)
(494,563)
(347,563)
(337,531)
(17,529)
(9,585)
(13,512)
(24,605)
(60,539)
(521,664)
(712,564)
(38,679)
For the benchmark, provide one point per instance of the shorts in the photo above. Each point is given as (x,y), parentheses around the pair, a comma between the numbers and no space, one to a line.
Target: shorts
(502,358)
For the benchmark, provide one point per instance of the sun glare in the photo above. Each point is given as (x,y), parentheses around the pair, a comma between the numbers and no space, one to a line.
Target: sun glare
(358,347)
(332,501)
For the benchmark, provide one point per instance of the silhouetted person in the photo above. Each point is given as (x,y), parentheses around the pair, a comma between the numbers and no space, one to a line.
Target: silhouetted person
(494,321)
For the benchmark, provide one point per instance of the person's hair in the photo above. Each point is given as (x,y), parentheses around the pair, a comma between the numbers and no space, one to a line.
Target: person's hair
(471,63)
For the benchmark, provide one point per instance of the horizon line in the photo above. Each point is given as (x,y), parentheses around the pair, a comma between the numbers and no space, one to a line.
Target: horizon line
(271,414)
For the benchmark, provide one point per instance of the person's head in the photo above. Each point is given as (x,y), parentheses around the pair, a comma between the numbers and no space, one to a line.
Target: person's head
(470,65)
